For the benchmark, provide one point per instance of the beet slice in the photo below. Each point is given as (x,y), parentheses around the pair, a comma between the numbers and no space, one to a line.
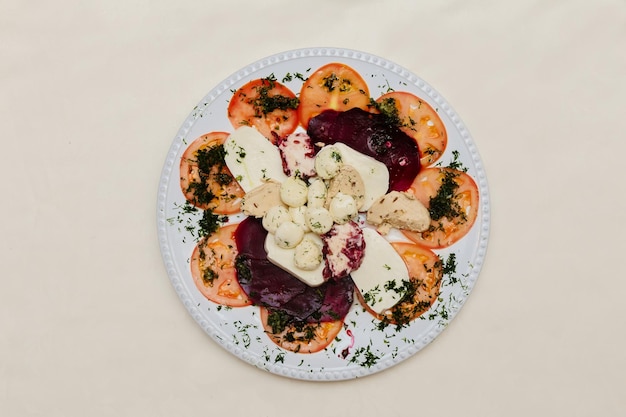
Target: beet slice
(338,297)
(304,305)
(269,285)
(265,283)
(372,135)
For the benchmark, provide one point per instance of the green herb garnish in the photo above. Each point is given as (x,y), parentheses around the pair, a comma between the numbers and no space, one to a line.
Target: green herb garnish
(265,103)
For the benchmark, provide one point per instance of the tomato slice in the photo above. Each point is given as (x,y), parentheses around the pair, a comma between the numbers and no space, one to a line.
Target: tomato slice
(333,86)
(267,105)
(205,180)
(425,273)
(418,120)
(451,196)
(308,338)
(213,268)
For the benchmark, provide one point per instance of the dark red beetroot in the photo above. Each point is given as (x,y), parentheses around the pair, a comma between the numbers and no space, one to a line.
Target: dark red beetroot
(269,285)
(338,296)
(372,135)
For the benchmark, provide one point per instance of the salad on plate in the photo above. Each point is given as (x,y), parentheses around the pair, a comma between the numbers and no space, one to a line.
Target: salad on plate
(326,213)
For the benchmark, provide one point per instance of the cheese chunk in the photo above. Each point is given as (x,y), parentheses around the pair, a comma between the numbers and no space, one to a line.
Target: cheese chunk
(274,217)
(381,266)
(343,208)
(400,210)
(252,158)
(328,161)
(317,193)
(347,181)
(262,198)
(298,216)
(288,235)
(307,255)
(374,174)
(319,220)
(294,192)
(284,258)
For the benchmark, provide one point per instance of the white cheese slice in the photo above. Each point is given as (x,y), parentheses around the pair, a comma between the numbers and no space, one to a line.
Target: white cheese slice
(284,258)
(374,174)
(381,265)
(252,158)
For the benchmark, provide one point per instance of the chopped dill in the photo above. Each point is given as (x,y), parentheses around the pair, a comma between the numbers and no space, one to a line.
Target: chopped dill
(364,357)
(210,157)
(210,161)
(265,103)
(209,223)
(455,163)
(444,203)
(449,266)
(388,108)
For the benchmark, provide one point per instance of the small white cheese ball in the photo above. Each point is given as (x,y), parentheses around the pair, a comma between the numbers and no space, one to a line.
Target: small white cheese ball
(288,235)
(328,161)
(298,216)
(319,220)
(274,217)
(307,255)
(317,193)
(293,192)
(343,208)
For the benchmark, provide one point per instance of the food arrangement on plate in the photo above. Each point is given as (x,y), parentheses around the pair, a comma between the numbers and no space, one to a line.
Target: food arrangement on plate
(326,213)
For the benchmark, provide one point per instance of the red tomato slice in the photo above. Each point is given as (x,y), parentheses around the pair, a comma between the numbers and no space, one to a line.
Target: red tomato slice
(418,120)
(333,86)
(213,268)
(267,105)
(208,185)
(426,273)
(452,199)
(312,338)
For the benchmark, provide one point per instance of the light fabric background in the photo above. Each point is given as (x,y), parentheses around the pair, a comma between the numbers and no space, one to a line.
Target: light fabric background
(93,93)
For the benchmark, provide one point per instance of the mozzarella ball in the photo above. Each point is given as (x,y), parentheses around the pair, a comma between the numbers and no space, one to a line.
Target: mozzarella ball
(317,193)
(274,217)
(288,235)
(328,161)
(307,255)
(319,220)
(298,216)
(342,208)
(293,192)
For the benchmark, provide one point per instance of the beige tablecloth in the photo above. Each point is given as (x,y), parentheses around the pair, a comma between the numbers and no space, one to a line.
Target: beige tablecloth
(92,95)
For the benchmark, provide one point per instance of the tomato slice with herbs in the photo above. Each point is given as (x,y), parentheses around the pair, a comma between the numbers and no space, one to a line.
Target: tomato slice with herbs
(301,337)
(266,104)
(213,268)
(425,274)
(333,86)
(418,120)
(451,197)
(205,180)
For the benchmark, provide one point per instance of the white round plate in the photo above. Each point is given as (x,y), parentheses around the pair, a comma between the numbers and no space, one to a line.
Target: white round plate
(360,349)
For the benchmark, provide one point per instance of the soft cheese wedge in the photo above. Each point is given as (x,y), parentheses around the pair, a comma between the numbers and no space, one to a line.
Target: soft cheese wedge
(374,174)
(380,277)
(284,258)
(252,159)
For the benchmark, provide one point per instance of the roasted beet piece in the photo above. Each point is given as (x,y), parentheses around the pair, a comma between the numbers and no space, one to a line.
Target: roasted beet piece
(372,135)
(268,285)
(338,296)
